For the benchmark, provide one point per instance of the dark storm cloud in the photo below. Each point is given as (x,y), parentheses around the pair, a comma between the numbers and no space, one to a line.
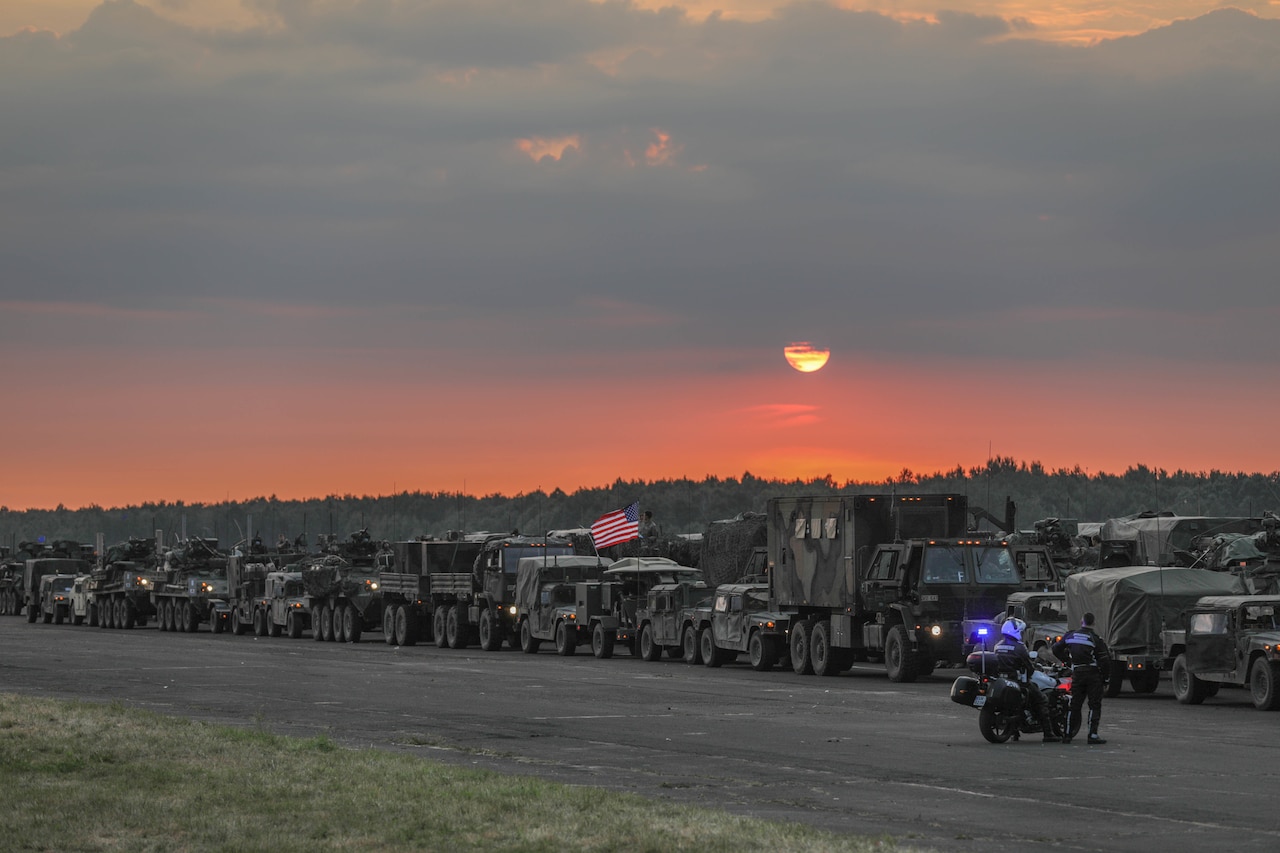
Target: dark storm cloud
(822,173)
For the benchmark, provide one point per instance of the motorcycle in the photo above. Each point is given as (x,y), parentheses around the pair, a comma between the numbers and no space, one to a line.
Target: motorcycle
(1003,712)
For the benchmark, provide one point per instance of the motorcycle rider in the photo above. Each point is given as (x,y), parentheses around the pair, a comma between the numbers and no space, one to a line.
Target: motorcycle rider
(1014,658)
(1090,665)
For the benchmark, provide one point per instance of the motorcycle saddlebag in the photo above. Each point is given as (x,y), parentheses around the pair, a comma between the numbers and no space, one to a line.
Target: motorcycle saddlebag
(1004,695)
(965,690)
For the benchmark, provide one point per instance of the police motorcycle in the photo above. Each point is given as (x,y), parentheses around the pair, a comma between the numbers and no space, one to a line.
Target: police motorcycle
(1001,700)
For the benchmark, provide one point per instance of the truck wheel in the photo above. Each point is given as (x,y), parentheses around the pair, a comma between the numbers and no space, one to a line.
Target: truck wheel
(710,653)
(273,627)
(566,640)
(826,660)
(77,619)
(801,663)
(994,726)
(216,624)
(259,623)
(339,623)
(456,629)
(193,618)
(31,613)
(528,643)
(237,626)
(900,660)
(162,607)
(1116,681)
(47,616)
(692,647)
(326,624)
(293,622)
(130,615)
(171,614)
(490,635)
(649,650)
(1187,689)
(316,633)
(406,626)
(352,624)
(761,652)
(602,641)
(1263,676)
(1144,680)
(389,625)
(438,619)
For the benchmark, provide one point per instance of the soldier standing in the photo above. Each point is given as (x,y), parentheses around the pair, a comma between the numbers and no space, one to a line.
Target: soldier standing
(1090,665)
(648,527)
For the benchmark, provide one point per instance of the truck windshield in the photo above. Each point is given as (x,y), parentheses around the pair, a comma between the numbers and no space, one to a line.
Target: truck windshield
(757,600)
(944,564)
(995,565)
(62,584)
(1209,623)
(511,555)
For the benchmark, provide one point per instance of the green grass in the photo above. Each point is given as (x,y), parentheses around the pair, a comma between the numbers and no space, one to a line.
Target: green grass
(80,776)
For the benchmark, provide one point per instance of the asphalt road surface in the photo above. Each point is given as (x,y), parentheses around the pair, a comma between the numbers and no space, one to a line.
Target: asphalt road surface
(854,753)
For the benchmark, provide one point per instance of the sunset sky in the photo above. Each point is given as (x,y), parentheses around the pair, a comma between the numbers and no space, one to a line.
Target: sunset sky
(256,247)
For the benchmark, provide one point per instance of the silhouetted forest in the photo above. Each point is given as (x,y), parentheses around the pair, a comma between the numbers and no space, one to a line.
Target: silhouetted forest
(680,506)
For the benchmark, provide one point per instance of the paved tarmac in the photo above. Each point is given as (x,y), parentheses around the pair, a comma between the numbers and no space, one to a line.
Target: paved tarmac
(854,753)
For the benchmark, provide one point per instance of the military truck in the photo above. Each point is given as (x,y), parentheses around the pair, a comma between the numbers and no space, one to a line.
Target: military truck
(738,619)
(247,587)
(1046,616)
(488,613)
(888,576)
(1232,640)
(426,576)
(120,585)
(33,574)
(191,587)
(665,619)
(626,592)
(1132,606)
(1163,538)
(285,607)
(546,600)
(344,593)
(55,598)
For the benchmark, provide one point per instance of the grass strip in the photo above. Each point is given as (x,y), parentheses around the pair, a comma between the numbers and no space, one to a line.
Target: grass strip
(77,776)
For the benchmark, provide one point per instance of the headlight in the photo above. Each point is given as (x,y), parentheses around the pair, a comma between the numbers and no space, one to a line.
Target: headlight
(936,631)
(512,610)
(373,585)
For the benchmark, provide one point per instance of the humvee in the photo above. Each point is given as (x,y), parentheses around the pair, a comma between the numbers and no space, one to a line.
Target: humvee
(1228,639)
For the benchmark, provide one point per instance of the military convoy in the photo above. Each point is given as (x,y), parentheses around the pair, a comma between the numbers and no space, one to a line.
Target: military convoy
(898,579)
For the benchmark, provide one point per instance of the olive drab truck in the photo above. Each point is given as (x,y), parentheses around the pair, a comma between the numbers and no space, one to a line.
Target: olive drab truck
(427,577)
(888,576)
(1232,640)
(547,600)
(737,618)
(55,598)
(614,613)
(488,613)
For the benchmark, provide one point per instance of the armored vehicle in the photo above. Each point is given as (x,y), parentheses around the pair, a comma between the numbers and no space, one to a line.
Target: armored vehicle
(628,582)
(1132,606)
(888,576)
(120,585)
(546,600)
(192,587)
(55,598)
(344,595)
(739,619)
(1228,639)
(426,576)
(285,607)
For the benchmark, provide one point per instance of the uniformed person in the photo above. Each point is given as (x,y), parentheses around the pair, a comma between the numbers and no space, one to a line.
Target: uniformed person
(1015,658)
(1090,666)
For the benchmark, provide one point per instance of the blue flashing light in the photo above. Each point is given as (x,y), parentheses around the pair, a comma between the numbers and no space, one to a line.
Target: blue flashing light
(982,632)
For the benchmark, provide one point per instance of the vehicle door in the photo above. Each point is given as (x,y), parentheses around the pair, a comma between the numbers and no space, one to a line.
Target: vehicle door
(1210,642)
(729,621)
(664,617)
(883,578)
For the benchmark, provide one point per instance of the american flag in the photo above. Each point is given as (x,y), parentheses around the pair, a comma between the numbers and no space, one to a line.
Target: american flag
(621,525)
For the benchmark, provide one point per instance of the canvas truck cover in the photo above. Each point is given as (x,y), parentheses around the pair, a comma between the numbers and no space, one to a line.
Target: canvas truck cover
(1132,604)
(532,572)
(1160,537)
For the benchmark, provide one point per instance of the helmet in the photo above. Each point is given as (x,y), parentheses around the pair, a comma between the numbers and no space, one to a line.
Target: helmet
(1013,628)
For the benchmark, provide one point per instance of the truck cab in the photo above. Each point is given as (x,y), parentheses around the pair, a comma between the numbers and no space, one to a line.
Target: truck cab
(1045,614)
(1228,639)
(666,616)
(741,620)
(55,598)
(284,606)
(546,601)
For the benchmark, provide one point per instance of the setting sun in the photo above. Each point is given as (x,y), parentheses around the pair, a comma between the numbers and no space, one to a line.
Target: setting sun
(806,357)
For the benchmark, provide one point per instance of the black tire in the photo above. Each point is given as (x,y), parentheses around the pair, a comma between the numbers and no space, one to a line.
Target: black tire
(566,639)
(326,624)
(293,624)
(389,625)
(1144,680)
(93,615)
(31,614)
(162,609)
(259,622)
(316,618)
(438,620)
(801,663)
(352,624)
(456,629)
(997,728)
(339,623)
(762,652)
(602,641)
(57,615)
(1187,689)
(692,648)
(900,660)
(1116,681)
(216,624)
(192,617)
(528,643)
(711,655)
(826,660)
(401,626)
(77,619)
(237,625)
(130,615)
(1264,684)
(490,633)
(649,650)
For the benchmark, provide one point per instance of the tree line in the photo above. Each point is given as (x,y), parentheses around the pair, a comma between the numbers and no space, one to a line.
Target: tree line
(681,506)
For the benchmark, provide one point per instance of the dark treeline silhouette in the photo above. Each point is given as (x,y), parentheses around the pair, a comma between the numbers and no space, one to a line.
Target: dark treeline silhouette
(680,506)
